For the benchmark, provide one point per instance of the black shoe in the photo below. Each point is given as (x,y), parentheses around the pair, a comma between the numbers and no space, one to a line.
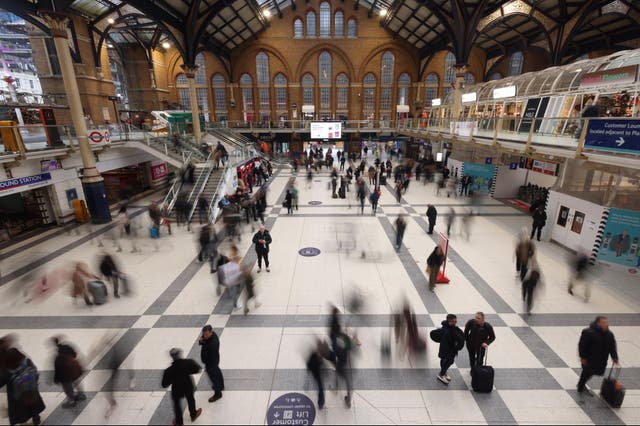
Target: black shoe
(215,397)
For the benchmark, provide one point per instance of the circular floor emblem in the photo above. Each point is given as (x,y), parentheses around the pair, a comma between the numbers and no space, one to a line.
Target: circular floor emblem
(309,252)
(315,203)
(291,409)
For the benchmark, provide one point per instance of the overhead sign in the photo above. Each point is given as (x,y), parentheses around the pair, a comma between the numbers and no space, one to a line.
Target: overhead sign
(326,130)
(504,92)
(469,97)
(158,171)
(20,184)
(624,75)
(613,135)
(291,409)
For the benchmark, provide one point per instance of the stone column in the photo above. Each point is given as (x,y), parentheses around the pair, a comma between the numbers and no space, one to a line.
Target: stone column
(456,110)
(92,181)
(190,73)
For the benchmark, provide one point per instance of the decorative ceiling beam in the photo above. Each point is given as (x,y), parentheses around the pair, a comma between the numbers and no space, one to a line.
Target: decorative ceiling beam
(102,16)
(373,5)
(277,6)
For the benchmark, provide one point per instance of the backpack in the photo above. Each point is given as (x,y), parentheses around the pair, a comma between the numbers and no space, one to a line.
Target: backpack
(436,335)
(25,382)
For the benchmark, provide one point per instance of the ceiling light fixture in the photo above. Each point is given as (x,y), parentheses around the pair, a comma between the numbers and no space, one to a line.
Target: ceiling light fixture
(382,12)
(111,21)
(166,45)
(109,45)
(267,13)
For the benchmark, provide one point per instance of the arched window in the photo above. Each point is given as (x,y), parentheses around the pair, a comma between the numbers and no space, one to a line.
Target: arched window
(246,83)
(325,78)
(307,89)
(369,103)
(342,92)
(386,93)
(495,76)
(431,88)
(515,64)
(262,73)
(219,97)
(338,24)
(404,82)
(449,73)
(352,28)
(182,84)
(280,83)
(311,24)
(201,72)
(298,28)
(469,78)
(325,19)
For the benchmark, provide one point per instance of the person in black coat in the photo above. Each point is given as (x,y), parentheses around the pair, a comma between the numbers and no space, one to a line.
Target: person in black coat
(205,240)
(478,336)
(434,262)
(67,372)
(262,239)
(539,220)
(29,404)
(288,202)
(596,344)
(432,214)
(109,269)
(210,357)
(451,342)
(178,376)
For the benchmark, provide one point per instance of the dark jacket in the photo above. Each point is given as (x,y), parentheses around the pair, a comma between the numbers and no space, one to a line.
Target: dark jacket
(475,335)
(432,213)
(539,217)
(108,266)
(21,410)
(66,366)
(595,346)
(262,248)
(178,376)
(434,260)
(210,351)
(451,341)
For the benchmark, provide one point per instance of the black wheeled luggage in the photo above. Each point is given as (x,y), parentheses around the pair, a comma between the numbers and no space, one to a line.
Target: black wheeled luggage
(612,390)
(482,377)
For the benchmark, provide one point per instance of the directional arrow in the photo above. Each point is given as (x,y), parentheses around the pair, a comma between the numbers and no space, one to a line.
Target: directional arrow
(620,141)
(276,415)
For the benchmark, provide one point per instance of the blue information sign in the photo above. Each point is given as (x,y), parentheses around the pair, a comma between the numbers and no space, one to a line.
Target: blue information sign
(292,409)
(613,135)
(309,252)
(513,166)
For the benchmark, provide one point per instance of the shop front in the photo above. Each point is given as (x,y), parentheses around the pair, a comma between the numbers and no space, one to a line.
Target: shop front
(125,182)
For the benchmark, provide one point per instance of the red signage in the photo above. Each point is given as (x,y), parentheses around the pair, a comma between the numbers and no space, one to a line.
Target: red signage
(624,75)
(158,171)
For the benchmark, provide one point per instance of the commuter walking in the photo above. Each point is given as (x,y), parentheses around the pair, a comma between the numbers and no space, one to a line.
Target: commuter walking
(434,262)
(539,220)
(478,336)
(373,199)
(205,241)
(203,209)
(361,194)
(67,372)
(525,250)
(432,214)
(596,344)
(288,202)
(210,357)
(530,283)
(314,365)
(401,226)
(451,218)
(110,271)
(451,342)
(262,240)
(342,357)
(178,376)
(21,377)
(579,268)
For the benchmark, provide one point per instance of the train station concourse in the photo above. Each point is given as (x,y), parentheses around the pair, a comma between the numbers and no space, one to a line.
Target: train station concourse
(297,212)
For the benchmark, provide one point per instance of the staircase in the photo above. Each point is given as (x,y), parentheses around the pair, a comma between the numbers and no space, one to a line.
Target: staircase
(165,149)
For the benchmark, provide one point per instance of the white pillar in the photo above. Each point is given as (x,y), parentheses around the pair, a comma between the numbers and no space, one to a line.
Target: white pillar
(190,73)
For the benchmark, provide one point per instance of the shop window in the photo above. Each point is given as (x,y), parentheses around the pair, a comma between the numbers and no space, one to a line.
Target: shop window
(298,31)
(311,24)
(325,19)
(338,24)
(515,64)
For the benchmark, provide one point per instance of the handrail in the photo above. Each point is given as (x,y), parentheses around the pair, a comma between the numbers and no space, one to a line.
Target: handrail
(171,197)
(199,186)
(214,210)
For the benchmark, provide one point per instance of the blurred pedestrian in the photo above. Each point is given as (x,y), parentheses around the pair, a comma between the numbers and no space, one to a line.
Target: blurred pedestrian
(451,218)
(21,377)
(205,241)
(248,283)
(432,214)
(288,202)
(110,271)
(262,240)
(596,344)
(578,273)
(80,281)
(478,335)
(451,342)
(434,262)
(525,250)
(531,282)
(116,357)
(203,209)
(210,357)
(373,199)
(401,225)
(67,372)
(342,359)
(178,376)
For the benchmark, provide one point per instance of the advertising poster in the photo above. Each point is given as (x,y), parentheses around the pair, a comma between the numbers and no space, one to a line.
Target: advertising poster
(620,239)
(482,176)
(578,221)
(562,217)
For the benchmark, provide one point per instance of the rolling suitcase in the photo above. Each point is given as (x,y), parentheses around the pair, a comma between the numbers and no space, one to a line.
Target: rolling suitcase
(383,180)
(612,390)
(98,291)
(482,377)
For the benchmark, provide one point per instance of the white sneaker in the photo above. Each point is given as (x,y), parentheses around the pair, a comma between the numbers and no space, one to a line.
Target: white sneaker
(446,376)
(259,270)
(268,270)
(443,379)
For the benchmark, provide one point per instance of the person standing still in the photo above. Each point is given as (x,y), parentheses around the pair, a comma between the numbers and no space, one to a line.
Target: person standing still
(210,357)
(432,214)
(178,376)
(434,262)
(596,344)
(539,220)
(401,225)
(262,239)
(478,335)
(451,342)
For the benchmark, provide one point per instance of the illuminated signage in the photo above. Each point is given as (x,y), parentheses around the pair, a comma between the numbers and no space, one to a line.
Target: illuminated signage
(326,130)
(436,102)
(504,92)
(622,75)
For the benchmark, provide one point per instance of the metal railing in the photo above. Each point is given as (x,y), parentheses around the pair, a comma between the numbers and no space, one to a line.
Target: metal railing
(171,197)
(199,186)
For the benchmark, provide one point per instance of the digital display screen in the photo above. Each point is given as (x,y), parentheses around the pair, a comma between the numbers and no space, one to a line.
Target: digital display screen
(326,130)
